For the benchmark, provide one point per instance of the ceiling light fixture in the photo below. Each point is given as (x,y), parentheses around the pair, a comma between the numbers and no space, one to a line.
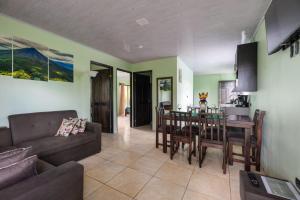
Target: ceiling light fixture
(140,46)
(142,21)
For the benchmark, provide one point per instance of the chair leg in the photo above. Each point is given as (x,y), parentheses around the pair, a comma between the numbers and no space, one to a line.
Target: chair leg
(177,147)
(200,155)
(230,153)
(203,154)
(224,162)
(257,159)
(225,159)
(253,154)
(190,153)
(171,149)
(204,151)
(157,139)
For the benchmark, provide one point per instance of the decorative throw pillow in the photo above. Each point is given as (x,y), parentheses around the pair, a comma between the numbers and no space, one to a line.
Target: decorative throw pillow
(18,171)
(12,156)
(82,125)
(65,128)
(76,126)
(79,126)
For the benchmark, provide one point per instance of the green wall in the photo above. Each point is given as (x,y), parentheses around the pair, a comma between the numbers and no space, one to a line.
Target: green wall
(21,96)
(209,83)
(278,94)
(160,68)
(185,88)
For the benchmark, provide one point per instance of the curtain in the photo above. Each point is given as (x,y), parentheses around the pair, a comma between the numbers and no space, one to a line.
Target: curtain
(123,99)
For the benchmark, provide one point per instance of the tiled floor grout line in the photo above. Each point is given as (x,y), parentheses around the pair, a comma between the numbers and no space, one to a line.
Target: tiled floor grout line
(230,183)
(109,185)
(188,183)
(148,153)
(152,176)
(126,167)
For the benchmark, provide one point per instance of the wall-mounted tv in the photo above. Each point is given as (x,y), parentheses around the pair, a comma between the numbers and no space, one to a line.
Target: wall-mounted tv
(282,24)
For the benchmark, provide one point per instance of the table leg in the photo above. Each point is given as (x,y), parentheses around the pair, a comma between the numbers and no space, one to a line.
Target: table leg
(248,133)
(164,136)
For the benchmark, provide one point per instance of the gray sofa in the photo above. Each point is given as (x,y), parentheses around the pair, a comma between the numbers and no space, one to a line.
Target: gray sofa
(38,130)
(59,177)
(51,183)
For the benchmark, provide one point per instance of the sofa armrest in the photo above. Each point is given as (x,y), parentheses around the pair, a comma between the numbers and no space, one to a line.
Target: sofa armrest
(5,137)
(63,182)
(95,128)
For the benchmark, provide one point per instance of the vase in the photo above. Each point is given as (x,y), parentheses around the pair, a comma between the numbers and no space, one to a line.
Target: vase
(202,104)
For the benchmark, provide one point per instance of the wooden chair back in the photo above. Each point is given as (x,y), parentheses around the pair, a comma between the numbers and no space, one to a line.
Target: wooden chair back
(159,117)
(258,129)
(181,124)
(213,127)
(212,110)
(255,117)
(194,109)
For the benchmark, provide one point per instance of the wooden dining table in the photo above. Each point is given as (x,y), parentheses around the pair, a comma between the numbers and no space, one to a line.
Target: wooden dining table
(237,121)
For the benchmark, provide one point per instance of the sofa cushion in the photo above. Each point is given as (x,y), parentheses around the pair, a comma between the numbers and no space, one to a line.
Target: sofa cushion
(12,156)
(50,145)
(43,166)
(27,127)
(18,171)
(3,149)
(5,137)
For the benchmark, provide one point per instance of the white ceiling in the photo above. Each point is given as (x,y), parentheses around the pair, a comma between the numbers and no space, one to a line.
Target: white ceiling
(204,33)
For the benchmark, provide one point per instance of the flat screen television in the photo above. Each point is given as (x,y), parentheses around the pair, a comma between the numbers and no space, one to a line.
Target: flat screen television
(282,24)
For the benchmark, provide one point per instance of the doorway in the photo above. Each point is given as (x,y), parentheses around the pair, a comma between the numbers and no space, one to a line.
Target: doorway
(124,99)
(142,98)
(102,95)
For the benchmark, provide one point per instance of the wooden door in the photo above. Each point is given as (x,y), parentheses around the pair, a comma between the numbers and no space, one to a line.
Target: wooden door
(142,99)
(102,100)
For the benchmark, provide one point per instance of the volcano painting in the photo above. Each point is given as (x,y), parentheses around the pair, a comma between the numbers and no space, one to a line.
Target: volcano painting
(24,59)
(60,66)
(30,61)
(5,56)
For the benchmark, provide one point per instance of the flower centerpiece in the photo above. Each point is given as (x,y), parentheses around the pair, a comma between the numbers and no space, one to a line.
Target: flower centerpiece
(203,96)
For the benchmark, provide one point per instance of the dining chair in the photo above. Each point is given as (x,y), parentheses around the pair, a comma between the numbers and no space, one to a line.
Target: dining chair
(237,138)
(256,139)
(160,111)
(212,110)
(181,132)
(195,111)
(213,135)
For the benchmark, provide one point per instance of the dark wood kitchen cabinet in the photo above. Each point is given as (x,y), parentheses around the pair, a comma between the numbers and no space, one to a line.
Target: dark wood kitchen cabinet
(246,67)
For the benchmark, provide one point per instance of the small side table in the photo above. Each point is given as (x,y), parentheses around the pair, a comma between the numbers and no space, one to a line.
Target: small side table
(250,192)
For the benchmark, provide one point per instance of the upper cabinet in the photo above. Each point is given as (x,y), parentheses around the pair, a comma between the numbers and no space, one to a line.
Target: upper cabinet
(246,67)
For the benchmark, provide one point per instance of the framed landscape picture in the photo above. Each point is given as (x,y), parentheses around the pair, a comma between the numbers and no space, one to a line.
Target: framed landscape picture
(30,60)
(5,56)
(60,66)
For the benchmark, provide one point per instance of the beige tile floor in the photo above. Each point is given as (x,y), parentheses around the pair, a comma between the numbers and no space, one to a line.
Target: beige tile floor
(130,167)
